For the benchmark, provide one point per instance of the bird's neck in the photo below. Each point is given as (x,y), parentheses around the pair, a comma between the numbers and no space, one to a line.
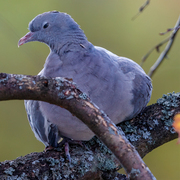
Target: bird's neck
(70,39)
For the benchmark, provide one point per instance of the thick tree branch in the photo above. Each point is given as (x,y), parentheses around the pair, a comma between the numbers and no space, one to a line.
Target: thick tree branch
(149,130)
(64,93)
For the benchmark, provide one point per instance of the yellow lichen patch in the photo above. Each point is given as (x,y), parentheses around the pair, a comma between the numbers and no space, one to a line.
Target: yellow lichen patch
(176,125)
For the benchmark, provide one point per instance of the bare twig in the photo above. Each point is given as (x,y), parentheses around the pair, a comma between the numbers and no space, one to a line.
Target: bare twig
(157,47)
(141,9)
(170,29)
(163,55)
(45,89)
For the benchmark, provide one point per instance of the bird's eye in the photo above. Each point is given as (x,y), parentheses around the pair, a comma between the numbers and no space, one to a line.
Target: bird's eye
(45,25)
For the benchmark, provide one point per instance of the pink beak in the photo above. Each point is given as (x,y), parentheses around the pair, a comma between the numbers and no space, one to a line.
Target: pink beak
(28,37)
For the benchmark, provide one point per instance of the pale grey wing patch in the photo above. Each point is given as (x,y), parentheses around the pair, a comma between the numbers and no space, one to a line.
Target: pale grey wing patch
(44,131)
(141,86)
(141,92)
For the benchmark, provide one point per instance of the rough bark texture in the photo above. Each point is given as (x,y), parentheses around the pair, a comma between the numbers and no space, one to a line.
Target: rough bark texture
(147,131)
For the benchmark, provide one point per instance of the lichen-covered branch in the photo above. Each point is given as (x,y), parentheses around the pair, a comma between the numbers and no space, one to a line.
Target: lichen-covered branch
(148,130)
(153,127)
(65,94)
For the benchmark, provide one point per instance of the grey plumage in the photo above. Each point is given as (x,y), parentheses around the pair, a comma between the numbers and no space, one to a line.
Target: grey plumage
(118,85)
(44,130)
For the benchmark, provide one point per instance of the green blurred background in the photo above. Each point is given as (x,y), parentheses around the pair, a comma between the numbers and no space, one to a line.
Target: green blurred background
(108,24)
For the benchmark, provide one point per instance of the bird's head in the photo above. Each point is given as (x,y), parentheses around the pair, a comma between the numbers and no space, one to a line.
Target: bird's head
(53,28)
